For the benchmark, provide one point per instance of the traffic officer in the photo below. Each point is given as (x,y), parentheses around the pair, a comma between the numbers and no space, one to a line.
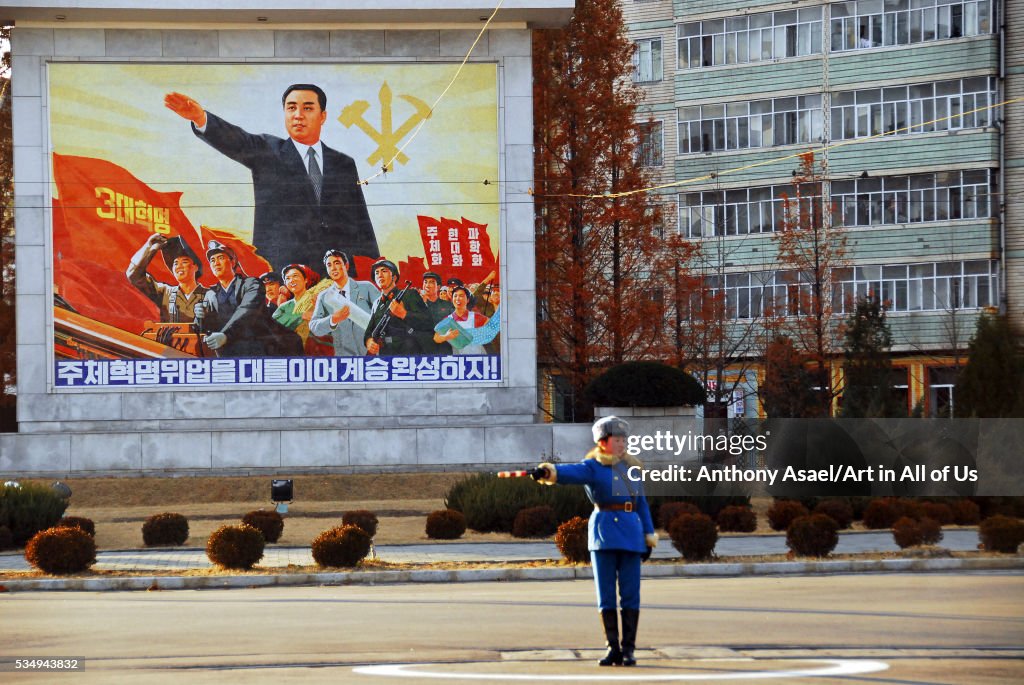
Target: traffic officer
(620,532)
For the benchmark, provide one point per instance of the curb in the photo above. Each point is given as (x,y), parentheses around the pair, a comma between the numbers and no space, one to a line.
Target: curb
(767,568)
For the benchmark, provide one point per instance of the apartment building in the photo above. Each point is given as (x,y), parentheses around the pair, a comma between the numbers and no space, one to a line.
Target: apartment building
(920,164)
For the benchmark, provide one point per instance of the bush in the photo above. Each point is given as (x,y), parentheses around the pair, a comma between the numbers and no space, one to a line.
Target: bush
(883,513)
(931,531)
(737,520)
(343,546)
(572,540)
(1001,533)
(940,512)
(79,522)
(268,522)
(361,518)
(907,533)
(783,512)
(965,512)
(839,510)
(28,509)
(235,546)
(814,535)
(6,539)
(165,529)
(490,504)
(61,550)
(645,384)
(445,524)
(535,522)
(694,535)
(668,512)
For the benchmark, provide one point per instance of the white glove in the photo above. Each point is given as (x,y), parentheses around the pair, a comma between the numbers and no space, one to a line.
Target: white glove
(216,341)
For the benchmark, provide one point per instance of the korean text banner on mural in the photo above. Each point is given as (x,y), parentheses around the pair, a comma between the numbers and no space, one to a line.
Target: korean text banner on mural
(212,226)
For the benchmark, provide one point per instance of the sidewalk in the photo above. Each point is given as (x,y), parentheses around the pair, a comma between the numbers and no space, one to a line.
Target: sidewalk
(150,560)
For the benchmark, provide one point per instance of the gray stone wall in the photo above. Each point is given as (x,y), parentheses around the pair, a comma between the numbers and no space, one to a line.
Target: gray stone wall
(414,426)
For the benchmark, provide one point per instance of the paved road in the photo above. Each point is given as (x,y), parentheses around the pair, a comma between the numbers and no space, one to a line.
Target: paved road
(279,557)
(921,629)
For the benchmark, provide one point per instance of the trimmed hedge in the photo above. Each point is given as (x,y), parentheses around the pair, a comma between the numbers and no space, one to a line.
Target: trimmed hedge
(1001,533)
(535,522)
(29,508)
(165,529)
(839,510)
(814,535)
(445,524)
(965,512)
(571,539)
(783,512)
(737,520)
(79,522)
(668,512)
(268,522)
(235,546)
(61,550)
(341,547)
(645,384)
(361,518)
(694,536)
(884,512)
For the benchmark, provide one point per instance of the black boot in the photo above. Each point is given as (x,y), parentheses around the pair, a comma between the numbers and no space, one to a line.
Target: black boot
(611,633)
(630,619)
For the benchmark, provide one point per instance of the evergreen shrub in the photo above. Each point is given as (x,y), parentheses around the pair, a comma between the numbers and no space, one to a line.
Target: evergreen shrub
(535,522)
(884,512)
(735,519)
(79,522)
(965,512)
(29,508)
(61,551)
(341,547)
(571,539)
(668,512)
(165,529)
(238,547)
(838,509)
(361,518)
(490,504)
(1001,533)
(783,512)
(813,535)
(694,536)
(266,521)
(445,524)
(645,384)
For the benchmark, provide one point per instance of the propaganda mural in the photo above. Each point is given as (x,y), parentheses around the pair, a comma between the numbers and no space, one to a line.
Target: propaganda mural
(274,224)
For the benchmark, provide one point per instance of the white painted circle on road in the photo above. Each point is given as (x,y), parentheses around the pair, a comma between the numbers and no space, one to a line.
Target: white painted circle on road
(832,667)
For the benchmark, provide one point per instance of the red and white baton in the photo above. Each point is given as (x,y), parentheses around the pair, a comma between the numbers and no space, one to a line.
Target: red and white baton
(514,474)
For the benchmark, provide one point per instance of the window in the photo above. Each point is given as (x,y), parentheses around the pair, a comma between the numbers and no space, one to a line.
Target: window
(749,38)
(912,199)
(940,286)
(647,61)
(737,212)
(742,125)
(652,144)
(920,108)
(860,24)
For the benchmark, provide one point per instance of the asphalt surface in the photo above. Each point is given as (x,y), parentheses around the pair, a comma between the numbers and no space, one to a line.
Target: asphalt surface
(900,629)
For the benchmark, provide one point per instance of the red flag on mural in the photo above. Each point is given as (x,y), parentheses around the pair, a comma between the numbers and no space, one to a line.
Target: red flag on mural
(102,216)
(457,248)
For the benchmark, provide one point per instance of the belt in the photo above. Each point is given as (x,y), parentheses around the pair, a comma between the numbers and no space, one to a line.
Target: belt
(626,507)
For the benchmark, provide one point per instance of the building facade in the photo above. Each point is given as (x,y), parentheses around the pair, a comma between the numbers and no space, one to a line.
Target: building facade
(919,162)
(84,67)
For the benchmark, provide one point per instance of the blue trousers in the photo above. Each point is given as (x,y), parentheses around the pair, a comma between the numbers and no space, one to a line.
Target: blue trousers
(616,565)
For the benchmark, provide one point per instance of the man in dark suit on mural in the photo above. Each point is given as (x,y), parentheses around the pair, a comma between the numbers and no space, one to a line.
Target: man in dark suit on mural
(308,197)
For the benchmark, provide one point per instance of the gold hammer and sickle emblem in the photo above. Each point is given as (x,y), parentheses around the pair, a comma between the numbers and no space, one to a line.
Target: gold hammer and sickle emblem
(387,138)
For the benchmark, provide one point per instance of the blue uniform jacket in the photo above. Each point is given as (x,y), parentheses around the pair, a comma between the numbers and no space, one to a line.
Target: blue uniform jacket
(609,530)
